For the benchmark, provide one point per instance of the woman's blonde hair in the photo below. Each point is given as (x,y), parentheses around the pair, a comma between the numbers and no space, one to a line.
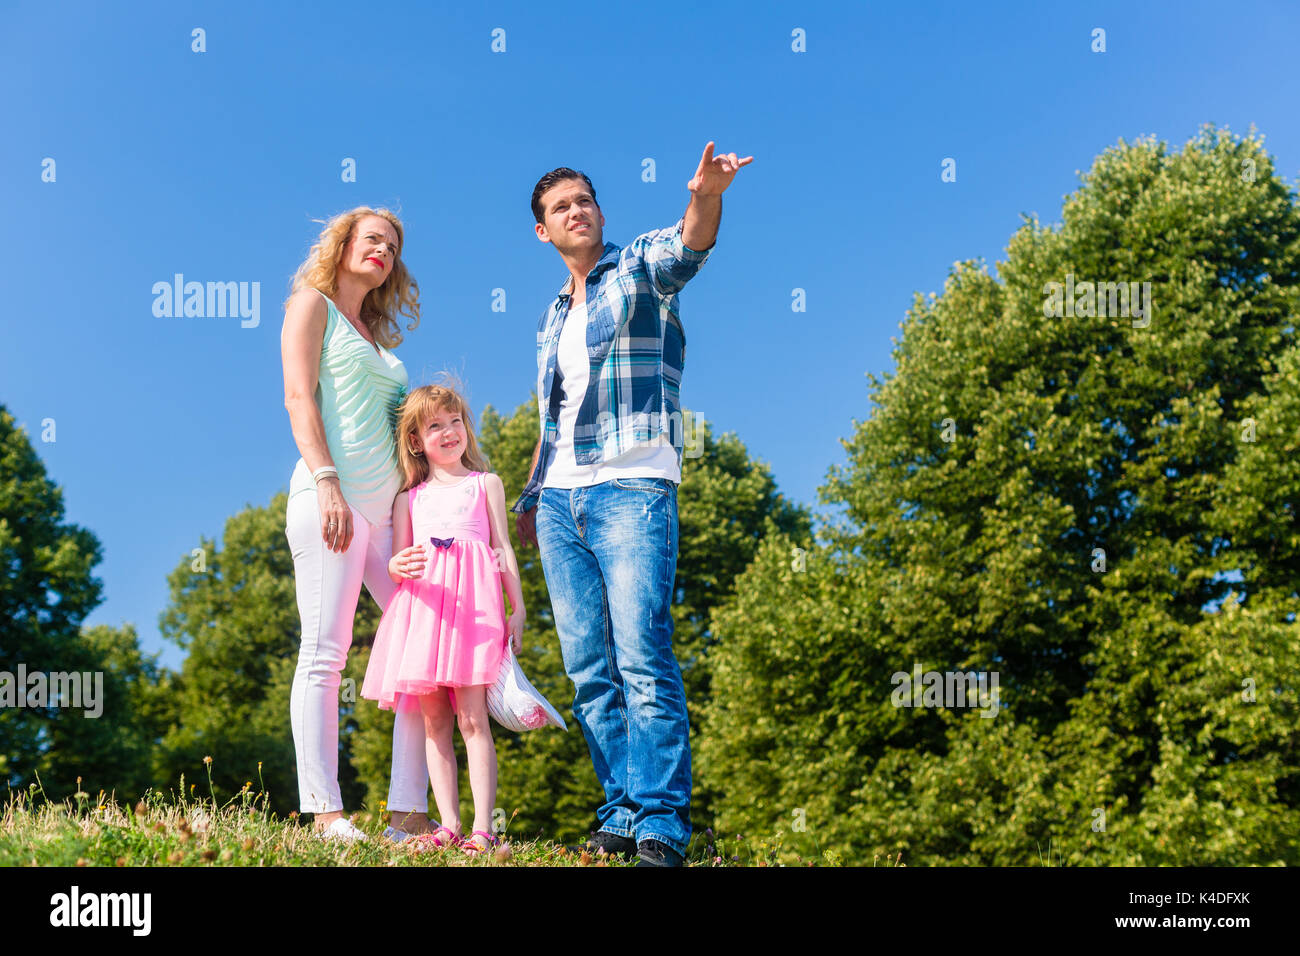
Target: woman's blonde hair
(413,417)
(379,309)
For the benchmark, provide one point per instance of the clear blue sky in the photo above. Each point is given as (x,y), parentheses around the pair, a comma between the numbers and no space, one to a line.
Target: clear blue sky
(214,164)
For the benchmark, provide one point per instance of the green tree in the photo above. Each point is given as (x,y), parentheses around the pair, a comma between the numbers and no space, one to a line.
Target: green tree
(233,610)
(46,591)
(1064,500)
(139,707)
(45,595)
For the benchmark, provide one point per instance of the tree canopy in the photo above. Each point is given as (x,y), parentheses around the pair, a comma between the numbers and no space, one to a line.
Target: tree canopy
(1097,508)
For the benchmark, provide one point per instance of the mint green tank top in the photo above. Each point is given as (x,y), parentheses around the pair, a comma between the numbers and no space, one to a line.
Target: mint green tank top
(358,391)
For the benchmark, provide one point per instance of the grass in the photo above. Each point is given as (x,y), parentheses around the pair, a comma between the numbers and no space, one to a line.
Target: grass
(174,829)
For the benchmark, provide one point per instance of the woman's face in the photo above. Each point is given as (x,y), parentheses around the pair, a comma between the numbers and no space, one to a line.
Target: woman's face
(444,438)
(371,252)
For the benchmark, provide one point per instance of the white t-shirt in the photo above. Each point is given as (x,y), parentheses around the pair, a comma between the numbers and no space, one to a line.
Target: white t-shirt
(657,459)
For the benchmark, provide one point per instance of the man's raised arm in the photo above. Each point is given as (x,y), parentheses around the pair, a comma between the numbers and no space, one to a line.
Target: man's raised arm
(704,213)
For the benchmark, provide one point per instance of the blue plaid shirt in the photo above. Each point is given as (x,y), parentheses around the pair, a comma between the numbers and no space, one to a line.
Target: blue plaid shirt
(636,348)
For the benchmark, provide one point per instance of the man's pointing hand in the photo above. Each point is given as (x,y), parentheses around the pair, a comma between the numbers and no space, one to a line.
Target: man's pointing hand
(715,173)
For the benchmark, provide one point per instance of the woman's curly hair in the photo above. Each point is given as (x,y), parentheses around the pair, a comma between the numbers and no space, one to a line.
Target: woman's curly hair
(379,310)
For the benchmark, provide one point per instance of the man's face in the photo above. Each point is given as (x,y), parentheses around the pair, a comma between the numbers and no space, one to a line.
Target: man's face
(572,221)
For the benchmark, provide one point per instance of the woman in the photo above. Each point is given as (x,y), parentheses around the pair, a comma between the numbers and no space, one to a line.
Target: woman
(342,386)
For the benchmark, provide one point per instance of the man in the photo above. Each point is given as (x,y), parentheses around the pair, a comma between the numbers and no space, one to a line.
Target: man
(601,501)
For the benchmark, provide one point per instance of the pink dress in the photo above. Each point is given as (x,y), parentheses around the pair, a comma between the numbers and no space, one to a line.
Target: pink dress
(446,628)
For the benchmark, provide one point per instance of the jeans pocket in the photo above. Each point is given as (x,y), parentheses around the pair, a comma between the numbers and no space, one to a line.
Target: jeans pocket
(661,486)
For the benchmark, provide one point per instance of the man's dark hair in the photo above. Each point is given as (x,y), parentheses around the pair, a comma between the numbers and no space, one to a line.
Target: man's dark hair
(549,180)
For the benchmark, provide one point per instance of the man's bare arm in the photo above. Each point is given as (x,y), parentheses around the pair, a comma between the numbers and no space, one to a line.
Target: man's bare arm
(537,450)
(526,521)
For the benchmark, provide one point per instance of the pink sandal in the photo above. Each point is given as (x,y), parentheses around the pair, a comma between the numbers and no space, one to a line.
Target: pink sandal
(473,849)
(437,840)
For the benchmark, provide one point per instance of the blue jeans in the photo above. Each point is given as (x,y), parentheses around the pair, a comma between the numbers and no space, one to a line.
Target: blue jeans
(609,553)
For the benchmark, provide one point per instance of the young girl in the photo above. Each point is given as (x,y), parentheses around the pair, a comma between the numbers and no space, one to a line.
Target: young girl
(443,634)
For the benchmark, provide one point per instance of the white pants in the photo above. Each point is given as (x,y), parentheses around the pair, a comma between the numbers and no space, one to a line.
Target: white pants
(328,586)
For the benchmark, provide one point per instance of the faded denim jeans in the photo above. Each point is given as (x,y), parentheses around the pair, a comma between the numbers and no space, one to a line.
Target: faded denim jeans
(609,553)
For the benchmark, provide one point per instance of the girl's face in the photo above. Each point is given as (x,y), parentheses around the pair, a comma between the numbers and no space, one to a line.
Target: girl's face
(444,438)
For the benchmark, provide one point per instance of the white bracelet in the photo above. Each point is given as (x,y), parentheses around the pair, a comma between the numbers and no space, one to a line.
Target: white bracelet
(325,471)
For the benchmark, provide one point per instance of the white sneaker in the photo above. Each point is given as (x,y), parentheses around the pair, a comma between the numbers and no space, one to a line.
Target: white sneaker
(397,836)
(343,829)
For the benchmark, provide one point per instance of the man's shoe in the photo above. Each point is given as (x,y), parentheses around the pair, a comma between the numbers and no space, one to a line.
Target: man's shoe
(343,830)
(397,836)
(610,844)
(655,853)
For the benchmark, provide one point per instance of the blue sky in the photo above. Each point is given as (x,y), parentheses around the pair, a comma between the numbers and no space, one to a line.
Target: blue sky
(214,164)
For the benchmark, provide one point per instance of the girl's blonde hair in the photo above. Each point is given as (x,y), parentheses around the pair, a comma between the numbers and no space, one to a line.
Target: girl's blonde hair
(414,415)
(380,307)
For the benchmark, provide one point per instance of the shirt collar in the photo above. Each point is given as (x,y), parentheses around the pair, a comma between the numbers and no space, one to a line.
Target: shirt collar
(607,260)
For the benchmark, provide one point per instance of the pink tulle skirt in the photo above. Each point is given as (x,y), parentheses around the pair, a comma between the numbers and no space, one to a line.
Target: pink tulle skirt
(444,629)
